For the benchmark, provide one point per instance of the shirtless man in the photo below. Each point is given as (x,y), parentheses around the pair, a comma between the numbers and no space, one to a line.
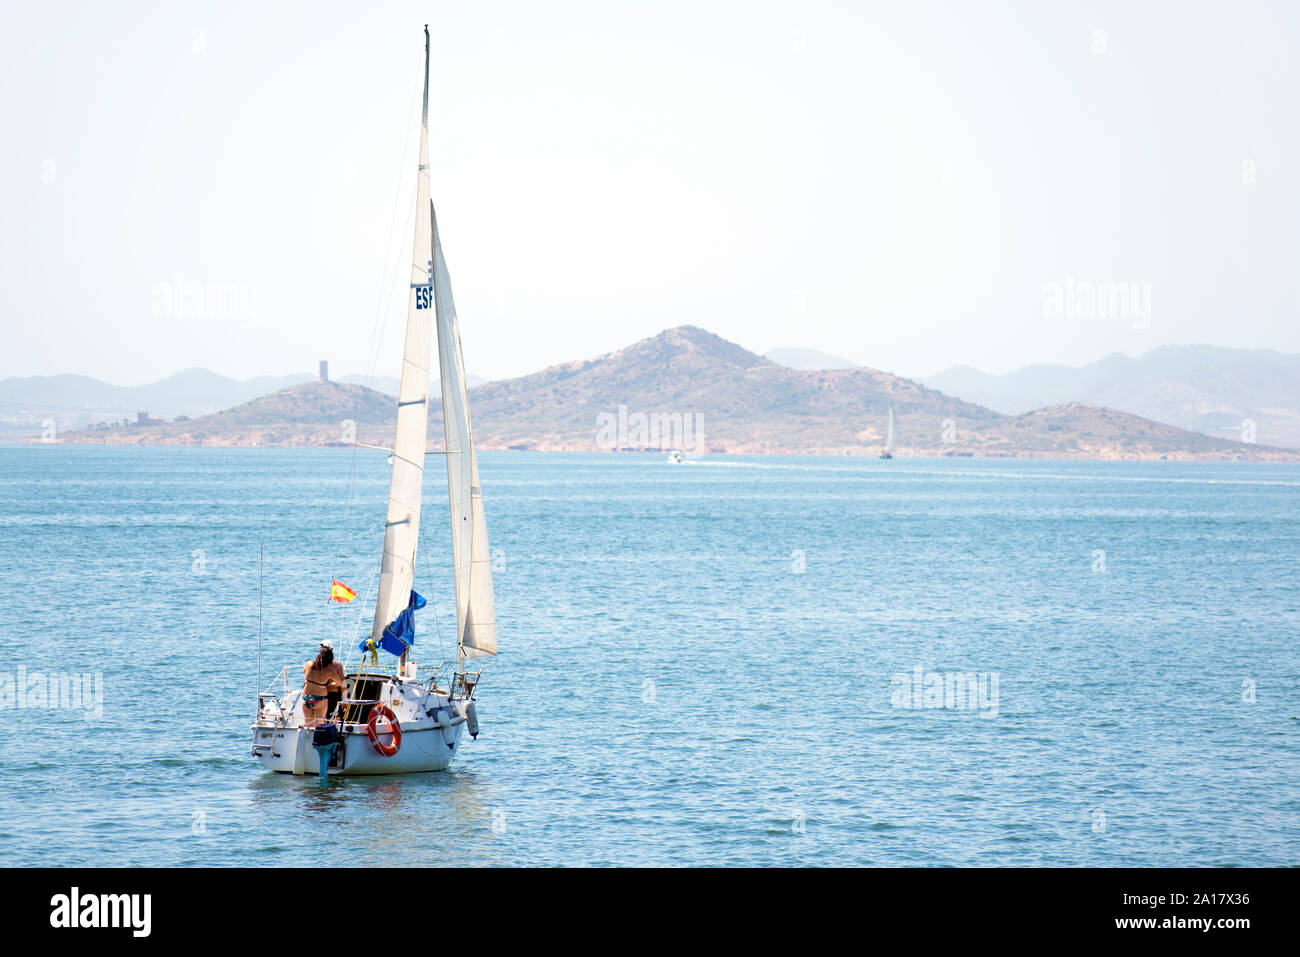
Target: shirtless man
(318,677)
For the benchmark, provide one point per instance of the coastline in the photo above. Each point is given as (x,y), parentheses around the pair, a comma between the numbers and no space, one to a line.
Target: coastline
(1248,453)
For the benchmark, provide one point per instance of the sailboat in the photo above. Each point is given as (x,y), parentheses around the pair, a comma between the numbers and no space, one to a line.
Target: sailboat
(889,439)
(389,718)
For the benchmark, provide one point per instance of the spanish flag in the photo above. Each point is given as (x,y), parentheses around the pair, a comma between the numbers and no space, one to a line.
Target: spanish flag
(340,592)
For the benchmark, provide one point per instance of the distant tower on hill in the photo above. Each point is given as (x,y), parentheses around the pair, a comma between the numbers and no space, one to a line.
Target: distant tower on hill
(324,370)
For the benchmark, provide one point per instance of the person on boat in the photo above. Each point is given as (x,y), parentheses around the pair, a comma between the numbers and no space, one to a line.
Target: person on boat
(320,676)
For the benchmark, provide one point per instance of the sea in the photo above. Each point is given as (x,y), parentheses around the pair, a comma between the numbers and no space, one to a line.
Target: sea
(734,661)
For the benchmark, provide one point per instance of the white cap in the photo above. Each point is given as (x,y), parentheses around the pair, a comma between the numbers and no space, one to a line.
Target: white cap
(327,644)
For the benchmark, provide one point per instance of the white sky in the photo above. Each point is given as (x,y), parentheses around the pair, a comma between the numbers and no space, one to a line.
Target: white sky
(894,182)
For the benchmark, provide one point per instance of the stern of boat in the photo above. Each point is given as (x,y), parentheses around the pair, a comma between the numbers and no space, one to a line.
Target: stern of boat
(432,722)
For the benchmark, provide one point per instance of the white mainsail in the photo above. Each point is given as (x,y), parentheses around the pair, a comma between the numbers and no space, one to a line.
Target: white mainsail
(476,621)
(402,528)
(889,439)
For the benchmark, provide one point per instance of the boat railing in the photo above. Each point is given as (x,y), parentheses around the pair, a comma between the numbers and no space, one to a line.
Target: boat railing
(278,687)
(431,676)
(353,710)
(464,683)
(282,680)
(434,676)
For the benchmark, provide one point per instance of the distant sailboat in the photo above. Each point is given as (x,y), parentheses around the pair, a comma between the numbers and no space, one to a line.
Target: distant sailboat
(390,721)
(889,439)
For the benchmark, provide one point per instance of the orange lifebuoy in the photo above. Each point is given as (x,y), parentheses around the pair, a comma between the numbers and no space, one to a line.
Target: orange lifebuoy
(372,730)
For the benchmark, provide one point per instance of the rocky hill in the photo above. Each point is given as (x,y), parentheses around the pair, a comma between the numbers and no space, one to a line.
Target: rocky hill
(310,414)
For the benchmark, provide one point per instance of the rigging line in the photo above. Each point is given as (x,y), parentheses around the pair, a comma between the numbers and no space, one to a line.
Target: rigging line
(389,249)
(360,613)
(394,251)
(370,372)
(391,283)
(363,668)
(428,567)
(407,229)
(390,253)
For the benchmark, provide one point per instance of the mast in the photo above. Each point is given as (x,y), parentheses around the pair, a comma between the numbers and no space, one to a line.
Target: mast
(402,524)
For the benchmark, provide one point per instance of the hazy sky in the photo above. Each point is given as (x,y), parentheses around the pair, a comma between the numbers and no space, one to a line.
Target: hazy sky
(216,183)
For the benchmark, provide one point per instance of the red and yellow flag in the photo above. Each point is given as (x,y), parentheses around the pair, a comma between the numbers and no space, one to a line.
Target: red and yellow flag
(340,592)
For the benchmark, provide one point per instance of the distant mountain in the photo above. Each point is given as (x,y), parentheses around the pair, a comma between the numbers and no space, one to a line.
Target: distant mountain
(645,396)
(76,401)
(808,359)
(308,414)
(1201,388)
(191,392)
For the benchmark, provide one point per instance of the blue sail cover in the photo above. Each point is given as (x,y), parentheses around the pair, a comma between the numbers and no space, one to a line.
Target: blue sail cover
(401,632)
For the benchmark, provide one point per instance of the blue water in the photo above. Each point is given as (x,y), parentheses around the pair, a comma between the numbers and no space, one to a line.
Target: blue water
(698,661)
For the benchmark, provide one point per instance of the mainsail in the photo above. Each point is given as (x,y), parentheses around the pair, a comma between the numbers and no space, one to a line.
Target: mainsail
(402,528)
(889,439)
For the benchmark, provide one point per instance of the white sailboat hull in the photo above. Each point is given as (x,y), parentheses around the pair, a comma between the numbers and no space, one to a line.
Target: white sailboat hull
(431,723)
(289,751)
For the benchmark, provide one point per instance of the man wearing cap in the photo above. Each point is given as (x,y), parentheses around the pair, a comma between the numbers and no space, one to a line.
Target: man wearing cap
(320,677)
